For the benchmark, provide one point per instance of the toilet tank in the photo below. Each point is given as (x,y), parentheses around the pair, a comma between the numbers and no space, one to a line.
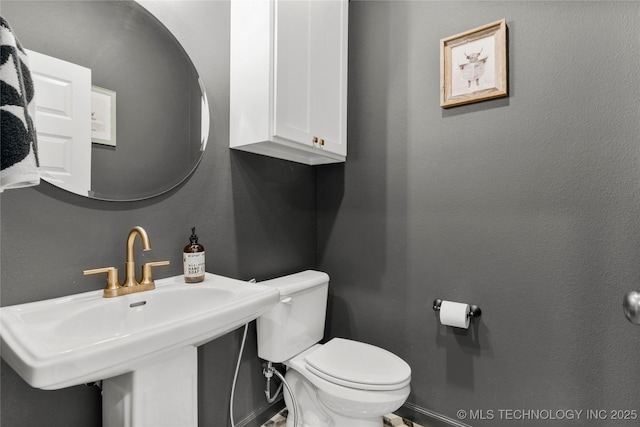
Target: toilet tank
(297,321)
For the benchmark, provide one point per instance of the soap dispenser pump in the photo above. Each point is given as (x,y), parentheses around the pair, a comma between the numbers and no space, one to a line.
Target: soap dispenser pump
(193,258)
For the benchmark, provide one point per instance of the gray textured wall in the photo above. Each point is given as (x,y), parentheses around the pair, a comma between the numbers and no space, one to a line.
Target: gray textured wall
(255,216)
(527,206)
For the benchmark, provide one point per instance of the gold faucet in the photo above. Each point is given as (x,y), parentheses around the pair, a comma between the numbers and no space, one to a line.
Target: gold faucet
(130,285)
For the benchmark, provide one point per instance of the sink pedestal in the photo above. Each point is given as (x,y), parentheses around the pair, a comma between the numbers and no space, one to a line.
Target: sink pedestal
(162,392)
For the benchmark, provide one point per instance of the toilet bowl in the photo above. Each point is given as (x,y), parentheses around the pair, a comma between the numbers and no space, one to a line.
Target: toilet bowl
(352,397)
(342,383)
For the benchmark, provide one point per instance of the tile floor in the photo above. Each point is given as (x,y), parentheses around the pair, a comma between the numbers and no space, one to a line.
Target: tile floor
(392,420)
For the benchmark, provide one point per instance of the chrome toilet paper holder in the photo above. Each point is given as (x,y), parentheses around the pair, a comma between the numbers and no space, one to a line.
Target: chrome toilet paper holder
(474,310)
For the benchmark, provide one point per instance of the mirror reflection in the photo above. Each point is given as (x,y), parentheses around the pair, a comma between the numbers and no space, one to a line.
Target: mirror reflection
(161,111)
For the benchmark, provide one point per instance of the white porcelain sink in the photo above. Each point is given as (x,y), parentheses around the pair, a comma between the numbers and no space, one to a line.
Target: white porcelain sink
(84,337)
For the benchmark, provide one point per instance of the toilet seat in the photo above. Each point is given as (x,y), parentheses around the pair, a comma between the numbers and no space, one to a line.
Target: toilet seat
(358,365)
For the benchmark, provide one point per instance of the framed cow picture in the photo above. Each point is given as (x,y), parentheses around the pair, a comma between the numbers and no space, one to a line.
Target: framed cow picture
(473,65)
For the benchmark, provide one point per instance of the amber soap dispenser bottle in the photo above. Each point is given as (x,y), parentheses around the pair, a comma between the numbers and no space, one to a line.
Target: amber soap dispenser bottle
(193,259)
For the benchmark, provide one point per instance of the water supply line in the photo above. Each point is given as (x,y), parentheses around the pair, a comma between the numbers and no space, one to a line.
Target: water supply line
(235,375)
(268,372)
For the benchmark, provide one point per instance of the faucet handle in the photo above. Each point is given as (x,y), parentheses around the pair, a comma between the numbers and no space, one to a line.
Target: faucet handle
(147,278)
(112,279)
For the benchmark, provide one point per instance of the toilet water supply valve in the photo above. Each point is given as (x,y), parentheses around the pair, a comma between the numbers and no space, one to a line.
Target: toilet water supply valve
(269,371)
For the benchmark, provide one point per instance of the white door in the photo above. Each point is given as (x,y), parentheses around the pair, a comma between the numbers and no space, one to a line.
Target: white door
(63,121)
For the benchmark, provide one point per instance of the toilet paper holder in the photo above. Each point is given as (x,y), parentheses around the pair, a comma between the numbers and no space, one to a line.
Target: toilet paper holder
(474,310)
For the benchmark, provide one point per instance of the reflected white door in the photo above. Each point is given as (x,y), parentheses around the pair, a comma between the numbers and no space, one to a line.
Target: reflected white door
(63,121)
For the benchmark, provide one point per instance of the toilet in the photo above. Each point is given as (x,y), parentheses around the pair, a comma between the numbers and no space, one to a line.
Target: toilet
(342,383)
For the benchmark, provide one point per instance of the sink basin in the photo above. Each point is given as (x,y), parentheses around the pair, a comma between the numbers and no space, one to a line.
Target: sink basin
(81,338)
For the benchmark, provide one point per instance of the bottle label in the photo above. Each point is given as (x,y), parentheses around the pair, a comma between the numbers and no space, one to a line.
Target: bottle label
(193,265)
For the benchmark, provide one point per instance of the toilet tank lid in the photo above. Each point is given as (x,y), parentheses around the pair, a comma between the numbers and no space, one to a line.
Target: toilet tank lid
(296,282)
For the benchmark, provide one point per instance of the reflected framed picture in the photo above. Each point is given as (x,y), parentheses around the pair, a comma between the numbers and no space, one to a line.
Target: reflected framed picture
(103,116)
(473,65)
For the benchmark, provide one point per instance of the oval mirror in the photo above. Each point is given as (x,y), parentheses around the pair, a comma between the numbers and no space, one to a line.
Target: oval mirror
(161,111)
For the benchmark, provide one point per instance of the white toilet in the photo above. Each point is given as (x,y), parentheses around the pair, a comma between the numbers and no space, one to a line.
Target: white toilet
(342,383)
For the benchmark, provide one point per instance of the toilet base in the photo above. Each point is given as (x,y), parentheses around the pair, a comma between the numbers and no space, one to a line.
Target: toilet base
(347,422)
(312,413)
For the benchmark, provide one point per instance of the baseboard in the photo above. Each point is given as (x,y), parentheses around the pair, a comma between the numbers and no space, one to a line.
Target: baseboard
(426,417)
(262,414)
(413,415)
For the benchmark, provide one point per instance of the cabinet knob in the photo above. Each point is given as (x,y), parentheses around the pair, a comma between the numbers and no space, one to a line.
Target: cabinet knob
(322,142)
(315,139)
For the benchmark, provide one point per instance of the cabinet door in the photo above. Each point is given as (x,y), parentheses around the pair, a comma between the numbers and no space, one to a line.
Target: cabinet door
(311,71)
(293,65)
(329,74)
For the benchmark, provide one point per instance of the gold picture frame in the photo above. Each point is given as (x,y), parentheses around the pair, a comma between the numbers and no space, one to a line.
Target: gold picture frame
(473,65)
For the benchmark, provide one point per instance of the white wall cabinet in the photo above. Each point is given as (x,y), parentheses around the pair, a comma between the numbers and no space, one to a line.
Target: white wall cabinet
(288,83)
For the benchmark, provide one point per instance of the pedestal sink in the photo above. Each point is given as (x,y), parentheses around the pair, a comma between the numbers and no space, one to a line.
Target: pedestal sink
(142,346)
